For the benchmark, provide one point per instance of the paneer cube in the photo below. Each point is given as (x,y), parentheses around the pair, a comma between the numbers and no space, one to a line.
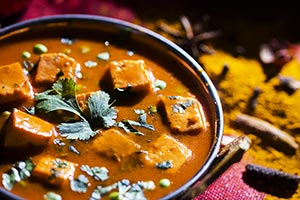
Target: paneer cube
(130,74)
(53,66)
(14,84)
(54,171)
(184,114)
(24,131)
(166,148)
(114,144)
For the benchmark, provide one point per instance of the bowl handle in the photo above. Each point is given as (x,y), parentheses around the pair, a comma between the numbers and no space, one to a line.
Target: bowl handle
(228,155)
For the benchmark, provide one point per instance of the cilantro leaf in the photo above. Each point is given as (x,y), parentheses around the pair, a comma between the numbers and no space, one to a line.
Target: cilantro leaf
(62,97)
(164,165)
(99,173)
(20,171)
(80,184)
(100,191)
(102,113)
(65,87)
(76,130)
(52,103)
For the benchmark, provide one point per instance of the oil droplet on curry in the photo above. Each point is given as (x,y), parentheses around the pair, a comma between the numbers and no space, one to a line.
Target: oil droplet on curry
(87,119)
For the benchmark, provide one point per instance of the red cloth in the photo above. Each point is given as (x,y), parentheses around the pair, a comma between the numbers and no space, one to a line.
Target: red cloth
(37,8)
(230,185)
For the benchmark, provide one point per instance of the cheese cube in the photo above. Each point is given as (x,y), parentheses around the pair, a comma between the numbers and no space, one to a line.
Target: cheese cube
(53,66)
(54,171)
(24,131)
(130,74)
(113,144)
(184,114)
(166,148)
(14,84)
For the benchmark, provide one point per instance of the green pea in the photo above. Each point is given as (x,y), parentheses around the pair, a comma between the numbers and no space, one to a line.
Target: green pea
(164,182)
(114,196)
(26,54)
(40,48)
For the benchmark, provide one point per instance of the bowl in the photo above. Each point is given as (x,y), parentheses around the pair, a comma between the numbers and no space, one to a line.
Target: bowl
(147,42)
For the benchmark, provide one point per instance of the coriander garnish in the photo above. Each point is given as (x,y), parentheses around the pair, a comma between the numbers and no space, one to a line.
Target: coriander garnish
(62,97)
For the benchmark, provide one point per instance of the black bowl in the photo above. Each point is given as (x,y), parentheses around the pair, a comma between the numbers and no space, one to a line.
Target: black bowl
(132,34)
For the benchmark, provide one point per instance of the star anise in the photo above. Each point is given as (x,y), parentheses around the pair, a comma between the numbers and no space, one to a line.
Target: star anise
(192,36)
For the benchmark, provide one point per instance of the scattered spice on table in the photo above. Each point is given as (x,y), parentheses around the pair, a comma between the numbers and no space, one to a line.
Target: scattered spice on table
(265,88)
(245,82)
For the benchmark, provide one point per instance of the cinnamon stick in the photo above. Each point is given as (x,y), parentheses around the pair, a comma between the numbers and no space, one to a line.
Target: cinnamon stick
(270,134)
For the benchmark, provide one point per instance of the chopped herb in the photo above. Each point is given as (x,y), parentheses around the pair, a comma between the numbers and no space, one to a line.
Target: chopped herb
(28,65)
(103,56)
(125,190)
(55,172)
(52,196)
(90,64)
(26,54)
(98,173)
(164,183)
(74,150)
(177,108)
(159,84)
(143,122)
(59,142)
(29,110)
(60,163)
(100,191)
(128,128)
(164,165)
(139,111)
(80,184)
(180,107)
(172,97)
(67,41)
(20,171)
(128,125)
(130,192)
(62,97)
(147,185)
(40,48)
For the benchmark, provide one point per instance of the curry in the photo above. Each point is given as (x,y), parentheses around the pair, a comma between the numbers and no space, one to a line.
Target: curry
(90,118)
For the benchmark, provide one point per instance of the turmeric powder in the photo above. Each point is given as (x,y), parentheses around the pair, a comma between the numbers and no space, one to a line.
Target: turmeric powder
(244,87)
(272,105)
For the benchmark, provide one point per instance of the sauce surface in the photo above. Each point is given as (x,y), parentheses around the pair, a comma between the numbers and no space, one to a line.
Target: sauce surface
(95,77)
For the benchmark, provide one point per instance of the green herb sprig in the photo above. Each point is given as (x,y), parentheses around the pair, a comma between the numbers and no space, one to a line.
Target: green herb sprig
(62,97)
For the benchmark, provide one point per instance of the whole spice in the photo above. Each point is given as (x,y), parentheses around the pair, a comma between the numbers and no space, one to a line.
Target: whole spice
(240,87)
(271,181)
(269,133)
(253,100)
(190,36)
